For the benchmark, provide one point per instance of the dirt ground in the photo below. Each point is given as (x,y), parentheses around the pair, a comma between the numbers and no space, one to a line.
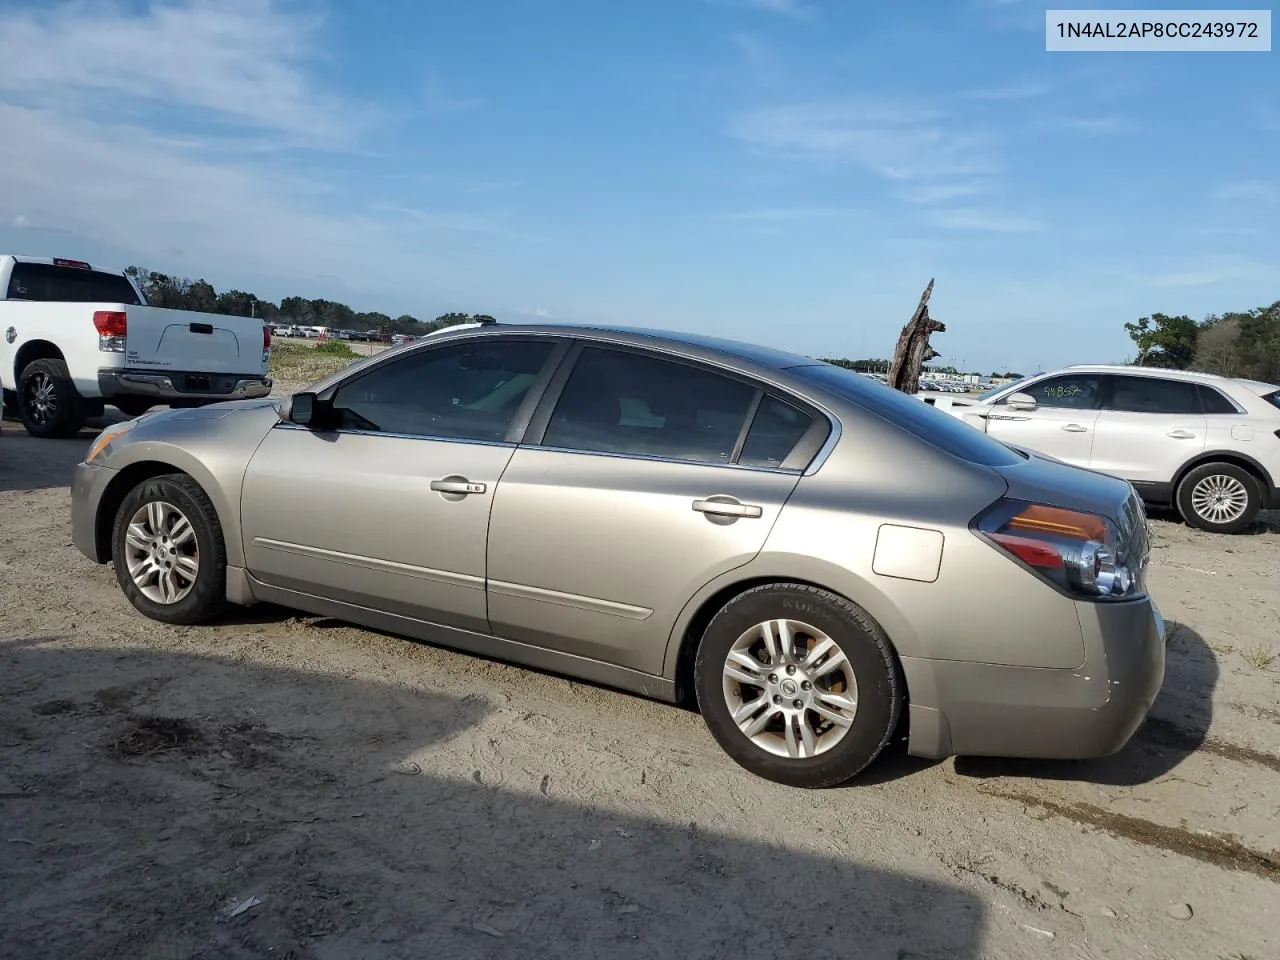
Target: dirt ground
(289,786)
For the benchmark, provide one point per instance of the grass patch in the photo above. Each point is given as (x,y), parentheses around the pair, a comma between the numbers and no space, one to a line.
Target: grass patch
(304,363)
(1258,657)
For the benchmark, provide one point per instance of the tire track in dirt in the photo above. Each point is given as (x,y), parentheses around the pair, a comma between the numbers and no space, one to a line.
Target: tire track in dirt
(1223,850)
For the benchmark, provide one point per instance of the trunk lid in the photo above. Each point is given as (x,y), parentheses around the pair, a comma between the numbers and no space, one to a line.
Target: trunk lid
(183,340)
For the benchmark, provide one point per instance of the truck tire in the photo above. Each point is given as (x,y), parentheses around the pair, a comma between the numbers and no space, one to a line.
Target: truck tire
(48,402)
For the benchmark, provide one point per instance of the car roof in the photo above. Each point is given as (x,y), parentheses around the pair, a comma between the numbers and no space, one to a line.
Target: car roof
(1191,376)
(749,352)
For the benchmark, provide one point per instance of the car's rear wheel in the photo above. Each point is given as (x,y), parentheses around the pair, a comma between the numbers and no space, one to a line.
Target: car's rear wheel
(48,402)
(798,685)
(1219,497)
(169,554)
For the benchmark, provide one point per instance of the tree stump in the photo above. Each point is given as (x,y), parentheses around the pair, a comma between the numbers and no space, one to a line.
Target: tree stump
(913,350)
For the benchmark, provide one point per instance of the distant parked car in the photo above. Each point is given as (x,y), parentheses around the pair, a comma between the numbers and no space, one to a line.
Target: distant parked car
(1208,446)
(670,514)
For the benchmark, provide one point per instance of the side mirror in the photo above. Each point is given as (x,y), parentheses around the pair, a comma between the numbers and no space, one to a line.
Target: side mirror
(1021,401)
(301,408)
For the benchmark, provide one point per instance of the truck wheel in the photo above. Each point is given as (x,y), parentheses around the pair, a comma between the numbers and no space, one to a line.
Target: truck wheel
(131,406)
(48,402)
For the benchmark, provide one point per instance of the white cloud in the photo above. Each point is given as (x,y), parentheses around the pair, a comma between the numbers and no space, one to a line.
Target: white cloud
(787,8)
(1259,191)
(157,134)
(896,142)
(1024,90)
(791,214)
(1093,126)
(237,61)
(926,193)
(983,220)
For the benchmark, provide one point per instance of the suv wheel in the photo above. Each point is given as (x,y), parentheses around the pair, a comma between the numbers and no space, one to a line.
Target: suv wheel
(798,685)
(1219,497)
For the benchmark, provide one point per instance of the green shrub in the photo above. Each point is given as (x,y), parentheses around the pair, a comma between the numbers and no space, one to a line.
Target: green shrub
(334,348)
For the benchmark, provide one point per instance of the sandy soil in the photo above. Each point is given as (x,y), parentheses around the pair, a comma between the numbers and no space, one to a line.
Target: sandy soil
(287,786)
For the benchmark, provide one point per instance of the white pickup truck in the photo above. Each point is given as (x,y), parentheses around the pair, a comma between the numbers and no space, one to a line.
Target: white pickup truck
(73,339)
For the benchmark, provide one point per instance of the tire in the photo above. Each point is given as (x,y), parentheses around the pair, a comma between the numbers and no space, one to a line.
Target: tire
(869,670)
(197,598)
(131,406)
(1219,498)
(48,402)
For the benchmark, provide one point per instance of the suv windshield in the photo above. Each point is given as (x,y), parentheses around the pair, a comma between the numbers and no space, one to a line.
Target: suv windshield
(55,283)
(989,394)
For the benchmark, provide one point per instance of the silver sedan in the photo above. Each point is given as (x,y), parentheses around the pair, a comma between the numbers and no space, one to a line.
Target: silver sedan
(817,560)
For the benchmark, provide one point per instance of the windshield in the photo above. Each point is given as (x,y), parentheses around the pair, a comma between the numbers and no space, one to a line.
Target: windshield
(989,394)
(50,282)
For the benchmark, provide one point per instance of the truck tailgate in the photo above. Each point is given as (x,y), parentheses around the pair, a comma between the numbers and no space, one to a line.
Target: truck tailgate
(160,339)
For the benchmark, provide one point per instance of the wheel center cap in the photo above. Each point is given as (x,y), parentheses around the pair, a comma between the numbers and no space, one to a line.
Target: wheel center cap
(789,688)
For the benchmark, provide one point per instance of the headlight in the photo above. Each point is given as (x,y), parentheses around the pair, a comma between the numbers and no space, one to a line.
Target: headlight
(106,436)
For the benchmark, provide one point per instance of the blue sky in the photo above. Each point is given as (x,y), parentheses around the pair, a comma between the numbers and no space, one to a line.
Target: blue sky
(789,172)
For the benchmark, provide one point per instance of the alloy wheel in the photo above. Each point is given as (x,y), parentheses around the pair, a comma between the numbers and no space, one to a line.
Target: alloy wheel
(1220,498)
(42,399)
(161,552)
(790,689)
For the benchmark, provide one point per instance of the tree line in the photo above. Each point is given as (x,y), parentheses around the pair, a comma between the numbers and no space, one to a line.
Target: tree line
(1244,344)
(180,293)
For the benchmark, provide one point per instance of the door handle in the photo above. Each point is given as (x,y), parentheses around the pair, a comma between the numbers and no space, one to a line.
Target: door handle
(1074,428)
(728,508)
(456,485)
(1181,434)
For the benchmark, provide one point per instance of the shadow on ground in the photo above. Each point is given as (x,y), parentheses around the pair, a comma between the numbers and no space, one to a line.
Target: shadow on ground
(1177,727)
(145,793)
(28,463)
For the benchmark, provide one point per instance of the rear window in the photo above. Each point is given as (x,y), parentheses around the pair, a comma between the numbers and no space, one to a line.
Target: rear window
(919,419)
(1273,398)
(53,283)
(1213,401)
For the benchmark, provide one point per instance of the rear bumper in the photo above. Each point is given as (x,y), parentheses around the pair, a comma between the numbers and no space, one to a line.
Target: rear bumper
(182,385)
(88,484)
(1092,711)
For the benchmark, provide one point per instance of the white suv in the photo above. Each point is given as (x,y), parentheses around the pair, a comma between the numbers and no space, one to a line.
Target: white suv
(1207,445)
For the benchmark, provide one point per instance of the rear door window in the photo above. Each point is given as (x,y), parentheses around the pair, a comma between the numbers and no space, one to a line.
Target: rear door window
(776,429)
(1153,395)
(634,404)
(1214,401)
(50,282)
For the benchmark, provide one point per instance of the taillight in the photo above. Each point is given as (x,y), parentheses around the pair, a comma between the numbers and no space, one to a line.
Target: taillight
(111,323)
(1078,552)
(266,338)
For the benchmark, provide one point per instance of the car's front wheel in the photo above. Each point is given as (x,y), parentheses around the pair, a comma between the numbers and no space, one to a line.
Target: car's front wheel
(1219,497)
(169,554)
(798,685)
